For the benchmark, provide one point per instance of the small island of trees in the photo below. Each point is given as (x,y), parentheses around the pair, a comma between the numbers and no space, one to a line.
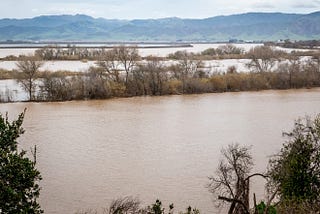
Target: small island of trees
(122,72)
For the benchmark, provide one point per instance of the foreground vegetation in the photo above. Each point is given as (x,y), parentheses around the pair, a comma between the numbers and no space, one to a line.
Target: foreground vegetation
(19,178)
(130,205)
(292,178)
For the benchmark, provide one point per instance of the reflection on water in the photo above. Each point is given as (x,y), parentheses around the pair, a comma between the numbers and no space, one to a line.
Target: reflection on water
(91,152)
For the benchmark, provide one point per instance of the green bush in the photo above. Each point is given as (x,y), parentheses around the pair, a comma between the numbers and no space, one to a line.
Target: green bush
(19,178)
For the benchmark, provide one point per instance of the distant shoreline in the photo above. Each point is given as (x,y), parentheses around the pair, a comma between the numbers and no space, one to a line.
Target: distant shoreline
(107,45)
(82,45)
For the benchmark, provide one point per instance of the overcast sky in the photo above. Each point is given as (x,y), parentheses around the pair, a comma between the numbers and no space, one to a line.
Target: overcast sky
(135,9)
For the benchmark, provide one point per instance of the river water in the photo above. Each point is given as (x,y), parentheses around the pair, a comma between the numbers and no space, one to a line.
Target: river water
(90,152)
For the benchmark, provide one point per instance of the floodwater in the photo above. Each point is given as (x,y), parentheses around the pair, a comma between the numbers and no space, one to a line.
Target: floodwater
(211,66)
(90,152)
(80,66)
(162,52)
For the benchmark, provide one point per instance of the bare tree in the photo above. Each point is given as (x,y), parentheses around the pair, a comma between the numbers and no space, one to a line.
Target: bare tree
(229,49)
(293,68)
(138,84)
(126,205)
(29,67)
(263,58)
(108,66)
(186,68)
(156,75)
(316,60)
(127,57)
(48,53)
(232,180)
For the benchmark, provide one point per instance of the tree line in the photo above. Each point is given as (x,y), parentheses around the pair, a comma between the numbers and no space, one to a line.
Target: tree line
(121,72)
(227,51)
(304,44)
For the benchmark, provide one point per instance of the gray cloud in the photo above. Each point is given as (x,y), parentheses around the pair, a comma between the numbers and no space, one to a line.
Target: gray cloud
(305,5)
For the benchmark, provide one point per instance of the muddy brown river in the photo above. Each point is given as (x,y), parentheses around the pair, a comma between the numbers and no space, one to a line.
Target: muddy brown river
(90,152)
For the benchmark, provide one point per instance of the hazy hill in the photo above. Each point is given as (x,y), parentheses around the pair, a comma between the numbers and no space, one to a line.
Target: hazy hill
(249,26)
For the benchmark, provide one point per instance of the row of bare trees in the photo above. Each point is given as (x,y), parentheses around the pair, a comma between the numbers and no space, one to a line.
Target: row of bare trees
(69,53)
(121,72)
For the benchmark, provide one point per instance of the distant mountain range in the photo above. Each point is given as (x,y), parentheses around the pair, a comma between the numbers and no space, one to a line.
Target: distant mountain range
(248,26)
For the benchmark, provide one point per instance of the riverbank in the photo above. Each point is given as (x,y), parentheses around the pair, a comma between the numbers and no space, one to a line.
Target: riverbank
(61,86)
(22,97)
